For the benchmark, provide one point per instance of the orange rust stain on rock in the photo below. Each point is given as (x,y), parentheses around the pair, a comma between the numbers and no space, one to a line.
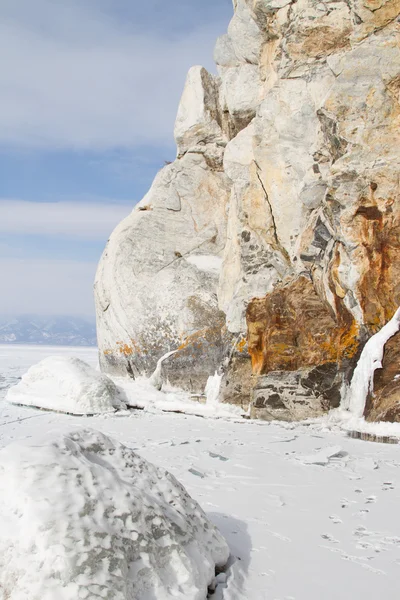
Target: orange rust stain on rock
(240,346)
(198,337)
(373,231)
(124,349)
(292,328)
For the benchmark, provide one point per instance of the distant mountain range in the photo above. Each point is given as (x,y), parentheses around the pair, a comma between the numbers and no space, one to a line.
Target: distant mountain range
(54,331)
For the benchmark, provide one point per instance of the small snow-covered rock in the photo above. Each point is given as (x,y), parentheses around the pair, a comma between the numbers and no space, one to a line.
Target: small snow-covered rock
(82,516)
(322,457)
(69,385)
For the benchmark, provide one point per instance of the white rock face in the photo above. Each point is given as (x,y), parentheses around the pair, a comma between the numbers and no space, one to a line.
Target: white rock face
(224,52)
(291,156)
(197,124)
(150,293)
(241,91)
(245,34)
(82,516)
(66,385)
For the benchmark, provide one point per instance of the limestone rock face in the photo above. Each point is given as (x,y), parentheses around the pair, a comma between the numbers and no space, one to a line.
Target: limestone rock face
(156,283)
(271,246)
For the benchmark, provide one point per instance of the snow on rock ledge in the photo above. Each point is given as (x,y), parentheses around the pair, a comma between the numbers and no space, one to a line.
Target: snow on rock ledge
(82,516)
(66,385)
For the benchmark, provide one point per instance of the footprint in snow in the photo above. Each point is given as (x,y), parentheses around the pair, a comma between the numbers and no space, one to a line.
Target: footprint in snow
(281,537)
(371,499)
(197,473)
(391,539)
(219,456)
(361,532)
(335,519)
(355,559)
(345,503)
(329,538)
(388,485)
(364,546)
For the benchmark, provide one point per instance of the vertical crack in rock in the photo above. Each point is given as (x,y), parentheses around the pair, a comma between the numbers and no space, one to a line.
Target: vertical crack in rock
(278,244)
(300,261)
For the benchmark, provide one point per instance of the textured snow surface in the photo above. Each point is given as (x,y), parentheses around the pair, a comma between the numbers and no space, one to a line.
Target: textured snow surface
(66,384)
(309,513)
(85,517)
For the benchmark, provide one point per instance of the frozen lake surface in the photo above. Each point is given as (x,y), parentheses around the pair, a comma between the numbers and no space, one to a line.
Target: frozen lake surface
(309,513)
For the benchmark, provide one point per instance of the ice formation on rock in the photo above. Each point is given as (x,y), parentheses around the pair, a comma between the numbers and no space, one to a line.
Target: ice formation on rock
(362,383)
(213,387)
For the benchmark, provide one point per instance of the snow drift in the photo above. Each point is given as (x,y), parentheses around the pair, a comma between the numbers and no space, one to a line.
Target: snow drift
(83,516)
(67,385)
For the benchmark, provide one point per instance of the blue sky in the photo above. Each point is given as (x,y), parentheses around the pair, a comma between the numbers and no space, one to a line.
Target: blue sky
(89,91)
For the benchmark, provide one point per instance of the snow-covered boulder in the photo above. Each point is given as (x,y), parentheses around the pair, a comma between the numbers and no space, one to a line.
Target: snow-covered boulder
(68,385)
(83,516)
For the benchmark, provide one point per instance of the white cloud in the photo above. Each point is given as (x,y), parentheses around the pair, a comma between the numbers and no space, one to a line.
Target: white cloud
(73,220)
(75,78)
(46,287)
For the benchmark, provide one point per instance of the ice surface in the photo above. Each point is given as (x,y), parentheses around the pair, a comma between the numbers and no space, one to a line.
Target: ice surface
(296,531)
(83,516)
(66,384)
(323,457)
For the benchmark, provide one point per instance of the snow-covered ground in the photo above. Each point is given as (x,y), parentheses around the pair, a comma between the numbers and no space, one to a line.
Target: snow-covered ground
(309,513)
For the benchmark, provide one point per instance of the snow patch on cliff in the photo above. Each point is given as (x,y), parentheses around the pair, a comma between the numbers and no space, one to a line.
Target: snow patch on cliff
(206,262)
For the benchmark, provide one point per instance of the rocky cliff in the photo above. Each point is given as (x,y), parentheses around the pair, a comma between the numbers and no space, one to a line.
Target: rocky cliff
(270,248)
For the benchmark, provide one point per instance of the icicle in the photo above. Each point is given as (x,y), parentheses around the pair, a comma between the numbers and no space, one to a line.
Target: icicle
(212,388)
(371,359)
(156,377)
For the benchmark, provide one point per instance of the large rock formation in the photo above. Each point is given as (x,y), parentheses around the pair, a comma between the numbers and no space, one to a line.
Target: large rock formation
(270,247)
